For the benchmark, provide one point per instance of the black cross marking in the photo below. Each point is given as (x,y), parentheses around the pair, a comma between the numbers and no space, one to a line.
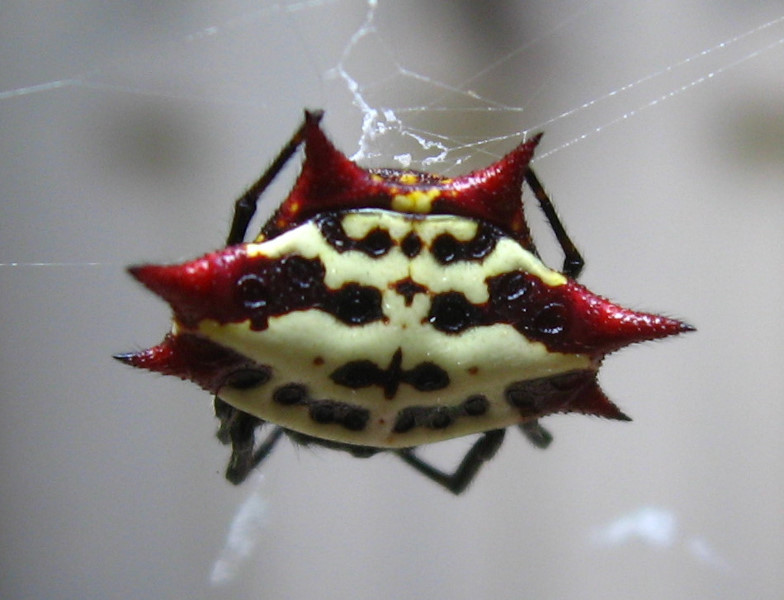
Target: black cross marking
(425,376)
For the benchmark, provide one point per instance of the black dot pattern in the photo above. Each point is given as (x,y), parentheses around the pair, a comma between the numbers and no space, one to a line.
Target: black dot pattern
(290,394)
(261,287)
(439,417)
(411,245)
(355,304)
(451,312)
(376,242)
(323,412)
(424,377)
(249,378)
(448,249)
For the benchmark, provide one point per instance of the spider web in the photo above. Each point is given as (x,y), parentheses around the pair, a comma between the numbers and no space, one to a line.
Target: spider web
(429,89)
(459,99)
(407,105)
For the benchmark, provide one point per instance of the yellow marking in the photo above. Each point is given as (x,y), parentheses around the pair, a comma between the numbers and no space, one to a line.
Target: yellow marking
(461,229)
(409,178)
(464,276)
(289,346)
(304,240)
(416,201)
(508,255)
(358,224)
(480,360)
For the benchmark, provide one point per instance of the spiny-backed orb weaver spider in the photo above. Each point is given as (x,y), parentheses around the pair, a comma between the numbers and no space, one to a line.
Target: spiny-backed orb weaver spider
(382,309)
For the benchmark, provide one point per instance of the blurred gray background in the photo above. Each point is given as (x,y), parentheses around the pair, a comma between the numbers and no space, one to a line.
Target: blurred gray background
(128,128)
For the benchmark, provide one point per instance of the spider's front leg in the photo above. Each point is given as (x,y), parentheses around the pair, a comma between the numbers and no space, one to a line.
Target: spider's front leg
(237,427)
(573,260)
(245,206)
(483,450)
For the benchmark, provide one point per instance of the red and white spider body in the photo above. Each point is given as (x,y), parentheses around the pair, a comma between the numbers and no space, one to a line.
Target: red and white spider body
(385,309)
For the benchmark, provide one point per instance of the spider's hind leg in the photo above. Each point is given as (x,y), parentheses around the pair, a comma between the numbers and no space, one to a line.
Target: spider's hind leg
(239,429)
(536,434)
(483,450)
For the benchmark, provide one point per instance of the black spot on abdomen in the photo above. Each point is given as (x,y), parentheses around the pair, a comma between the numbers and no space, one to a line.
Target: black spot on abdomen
(411,245)
(424,377)
(451,312)
(375,243)
(440,417)
(325,412)
(447,249)
(356,304)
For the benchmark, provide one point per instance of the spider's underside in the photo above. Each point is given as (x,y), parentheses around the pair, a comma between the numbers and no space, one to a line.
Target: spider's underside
(380,310)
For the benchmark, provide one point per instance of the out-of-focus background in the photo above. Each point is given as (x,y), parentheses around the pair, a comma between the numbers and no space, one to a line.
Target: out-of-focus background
(128,128)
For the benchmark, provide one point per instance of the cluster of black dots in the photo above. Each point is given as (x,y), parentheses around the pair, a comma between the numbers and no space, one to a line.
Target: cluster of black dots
(448,249)
(292,283)
(324,412)
(375,244)
(248,378)
(424,377)
(275,287)
(445,248)
(516,297)
(439,417)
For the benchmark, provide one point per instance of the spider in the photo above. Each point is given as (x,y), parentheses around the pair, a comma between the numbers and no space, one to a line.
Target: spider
(382,309)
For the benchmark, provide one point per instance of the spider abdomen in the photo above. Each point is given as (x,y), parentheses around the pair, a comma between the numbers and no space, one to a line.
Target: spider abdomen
(384,309)
(364,341)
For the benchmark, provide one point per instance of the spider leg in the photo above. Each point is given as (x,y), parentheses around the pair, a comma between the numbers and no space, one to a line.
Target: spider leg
(245,206)
(573,261)
(239,429)
(236,427)
(536,434)
(483,450)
